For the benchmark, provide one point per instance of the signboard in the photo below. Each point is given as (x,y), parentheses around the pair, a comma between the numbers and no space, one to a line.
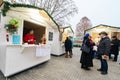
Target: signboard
(78,39)
(15,39)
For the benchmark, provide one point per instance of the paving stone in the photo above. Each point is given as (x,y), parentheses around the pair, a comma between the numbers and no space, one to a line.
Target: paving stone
(61,68)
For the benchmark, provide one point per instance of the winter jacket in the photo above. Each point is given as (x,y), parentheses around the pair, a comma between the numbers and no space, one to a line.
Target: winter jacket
(104,46)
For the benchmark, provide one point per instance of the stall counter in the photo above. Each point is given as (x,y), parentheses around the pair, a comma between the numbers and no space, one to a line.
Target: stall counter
(21,57)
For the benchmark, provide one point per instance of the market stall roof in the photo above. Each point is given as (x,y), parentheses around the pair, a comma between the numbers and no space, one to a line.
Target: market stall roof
(66,28)
(102,25)
(6,6)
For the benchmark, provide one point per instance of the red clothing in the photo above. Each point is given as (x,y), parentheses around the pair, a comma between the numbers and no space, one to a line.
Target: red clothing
(30,39)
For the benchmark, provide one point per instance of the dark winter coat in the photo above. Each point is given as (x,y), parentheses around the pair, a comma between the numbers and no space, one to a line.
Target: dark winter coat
(86,58)
(115,47)
(104,46)
(68,45)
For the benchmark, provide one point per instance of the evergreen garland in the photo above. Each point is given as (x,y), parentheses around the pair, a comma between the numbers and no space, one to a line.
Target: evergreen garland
(7,6)
(5,9)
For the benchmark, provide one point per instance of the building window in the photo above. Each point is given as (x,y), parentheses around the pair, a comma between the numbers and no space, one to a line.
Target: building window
(50,36)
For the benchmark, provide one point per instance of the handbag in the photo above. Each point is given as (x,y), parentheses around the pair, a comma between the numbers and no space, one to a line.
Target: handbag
(85,48)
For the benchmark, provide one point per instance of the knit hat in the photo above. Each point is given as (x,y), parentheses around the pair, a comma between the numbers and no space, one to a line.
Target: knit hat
(87,35)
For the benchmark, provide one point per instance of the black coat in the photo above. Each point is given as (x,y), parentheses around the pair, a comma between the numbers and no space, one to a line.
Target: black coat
(68,45)
(104,46)
(115,47)
(86,58)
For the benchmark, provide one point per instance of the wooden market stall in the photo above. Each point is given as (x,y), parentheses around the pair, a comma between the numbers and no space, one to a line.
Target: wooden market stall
(59,40)
(15,55)
(112,31)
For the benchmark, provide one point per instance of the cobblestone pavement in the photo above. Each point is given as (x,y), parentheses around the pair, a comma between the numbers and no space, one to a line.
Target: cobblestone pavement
(60,68)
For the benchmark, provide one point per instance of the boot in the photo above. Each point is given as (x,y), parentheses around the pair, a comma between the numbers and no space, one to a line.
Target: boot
(82,66)
(70,56)
(66,55)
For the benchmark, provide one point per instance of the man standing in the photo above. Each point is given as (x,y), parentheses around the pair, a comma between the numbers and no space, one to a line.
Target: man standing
(103,52)
(68,47)
(114,48)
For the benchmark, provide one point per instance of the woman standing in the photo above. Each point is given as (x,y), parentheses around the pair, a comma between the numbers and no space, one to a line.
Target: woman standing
(86,58)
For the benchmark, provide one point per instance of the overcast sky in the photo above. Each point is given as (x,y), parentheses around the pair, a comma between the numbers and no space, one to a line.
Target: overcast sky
(98,11)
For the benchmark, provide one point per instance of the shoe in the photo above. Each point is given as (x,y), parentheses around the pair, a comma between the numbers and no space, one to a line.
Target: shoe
(82,66)
(104,73)
(86,68)
(114,60)
(99,69)
(70,56)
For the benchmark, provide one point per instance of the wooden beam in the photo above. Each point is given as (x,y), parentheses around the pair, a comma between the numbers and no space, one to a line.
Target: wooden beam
(1,2)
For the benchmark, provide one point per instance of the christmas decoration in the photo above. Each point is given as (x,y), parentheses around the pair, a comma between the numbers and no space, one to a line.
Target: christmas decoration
(12,27)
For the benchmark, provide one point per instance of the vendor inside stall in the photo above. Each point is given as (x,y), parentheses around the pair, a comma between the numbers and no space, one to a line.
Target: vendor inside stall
(34,33)
(43,39)
(30,38)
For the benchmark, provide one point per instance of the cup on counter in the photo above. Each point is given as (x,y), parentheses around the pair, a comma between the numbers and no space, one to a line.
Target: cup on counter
(25,43)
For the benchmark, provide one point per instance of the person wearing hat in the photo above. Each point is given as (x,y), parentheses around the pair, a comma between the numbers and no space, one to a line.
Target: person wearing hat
(86,59)
(114,48)
(103,52)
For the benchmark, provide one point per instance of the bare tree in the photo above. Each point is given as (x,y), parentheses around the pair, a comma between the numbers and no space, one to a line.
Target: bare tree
(84,24)
(60,10)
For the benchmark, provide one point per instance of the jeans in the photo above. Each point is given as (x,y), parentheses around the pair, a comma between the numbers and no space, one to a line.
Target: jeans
(104,64)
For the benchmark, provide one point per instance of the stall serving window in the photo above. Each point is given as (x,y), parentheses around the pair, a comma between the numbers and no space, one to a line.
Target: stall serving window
(39,30)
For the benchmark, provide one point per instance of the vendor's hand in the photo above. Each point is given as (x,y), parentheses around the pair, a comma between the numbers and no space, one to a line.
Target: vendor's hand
(105,57)
(112,44)
(29,40)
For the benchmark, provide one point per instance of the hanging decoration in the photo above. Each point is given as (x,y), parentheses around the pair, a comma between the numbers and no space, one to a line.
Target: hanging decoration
(12,26)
